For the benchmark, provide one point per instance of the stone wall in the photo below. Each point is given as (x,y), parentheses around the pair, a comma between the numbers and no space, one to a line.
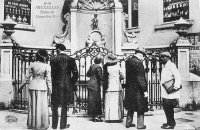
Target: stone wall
(84,27)
(45,23)
(190,96)
(6,93)
(152,29)
(151,32)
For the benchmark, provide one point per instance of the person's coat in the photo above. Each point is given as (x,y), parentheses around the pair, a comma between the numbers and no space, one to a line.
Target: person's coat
(136,85)
(64,76)
(95,74)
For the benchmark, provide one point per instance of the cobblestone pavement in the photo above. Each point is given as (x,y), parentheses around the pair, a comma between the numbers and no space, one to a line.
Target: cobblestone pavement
(186,120)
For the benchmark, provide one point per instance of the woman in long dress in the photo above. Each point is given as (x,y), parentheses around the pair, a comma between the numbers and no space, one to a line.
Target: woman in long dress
(94,90)
(113,89)
(40,85)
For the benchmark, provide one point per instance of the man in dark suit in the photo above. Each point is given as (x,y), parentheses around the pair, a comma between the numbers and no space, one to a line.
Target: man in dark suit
(64,76)
(136,90)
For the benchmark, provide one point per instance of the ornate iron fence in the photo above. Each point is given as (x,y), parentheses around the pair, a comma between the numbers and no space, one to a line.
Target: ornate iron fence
(23,56)
(21,59)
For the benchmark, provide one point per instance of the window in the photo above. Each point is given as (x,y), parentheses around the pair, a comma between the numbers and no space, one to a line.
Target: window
(194,38)
(18,10)
(133,14)
(174,9)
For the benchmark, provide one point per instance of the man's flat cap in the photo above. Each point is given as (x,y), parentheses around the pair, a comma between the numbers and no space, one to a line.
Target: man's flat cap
(165,53)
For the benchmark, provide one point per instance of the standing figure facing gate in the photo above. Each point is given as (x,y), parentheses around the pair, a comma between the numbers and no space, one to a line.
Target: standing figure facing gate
(136,90)
(64,76)
(40,71)
(94,90)
(113,89)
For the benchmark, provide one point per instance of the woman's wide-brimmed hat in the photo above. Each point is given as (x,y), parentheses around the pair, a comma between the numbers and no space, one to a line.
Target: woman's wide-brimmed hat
(111,58)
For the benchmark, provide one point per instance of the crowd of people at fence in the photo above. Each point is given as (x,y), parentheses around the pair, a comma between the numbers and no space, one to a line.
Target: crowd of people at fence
(59,78)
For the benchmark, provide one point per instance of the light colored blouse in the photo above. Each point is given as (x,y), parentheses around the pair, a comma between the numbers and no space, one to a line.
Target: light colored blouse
(41,76)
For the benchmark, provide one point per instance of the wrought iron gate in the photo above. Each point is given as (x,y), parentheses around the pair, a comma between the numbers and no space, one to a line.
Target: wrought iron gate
(22,57)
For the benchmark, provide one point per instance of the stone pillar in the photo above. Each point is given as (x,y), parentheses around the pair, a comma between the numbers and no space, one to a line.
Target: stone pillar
(73,30)
(183,57)
(129,13)
(118,30)
(6,87)
(186,93)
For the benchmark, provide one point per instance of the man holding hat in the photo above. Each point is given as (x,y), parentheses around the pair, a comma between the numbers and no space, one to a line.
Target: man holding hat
(136,90)
(169,100)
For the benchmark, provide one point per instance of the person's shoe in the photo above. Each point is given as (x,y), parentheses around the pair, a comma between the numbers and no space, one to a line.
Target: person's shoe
(54,128)
(97,119)
(131,125)
(164,124)
(144,127)
(167,127)
(29,127)
(67,126)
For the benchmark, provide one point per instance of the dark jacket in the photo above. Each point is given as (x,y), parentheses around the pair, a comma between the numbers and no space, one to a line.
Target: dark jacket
(136,85)
(64,76)
(95,73)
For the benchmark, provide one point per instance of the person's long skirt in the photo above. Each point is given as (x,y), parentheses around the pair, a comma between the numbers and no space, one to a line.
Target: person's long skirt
(94,103)
(38,114)
(114,106)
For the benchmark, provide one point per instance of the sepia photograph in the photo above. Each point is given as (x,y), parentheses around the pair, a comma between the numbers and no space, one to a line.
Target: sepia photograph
(99,64)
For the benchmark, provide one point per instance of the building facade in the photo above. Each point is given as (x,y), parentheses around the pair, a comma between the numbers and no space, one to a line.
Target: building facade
(119,25)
